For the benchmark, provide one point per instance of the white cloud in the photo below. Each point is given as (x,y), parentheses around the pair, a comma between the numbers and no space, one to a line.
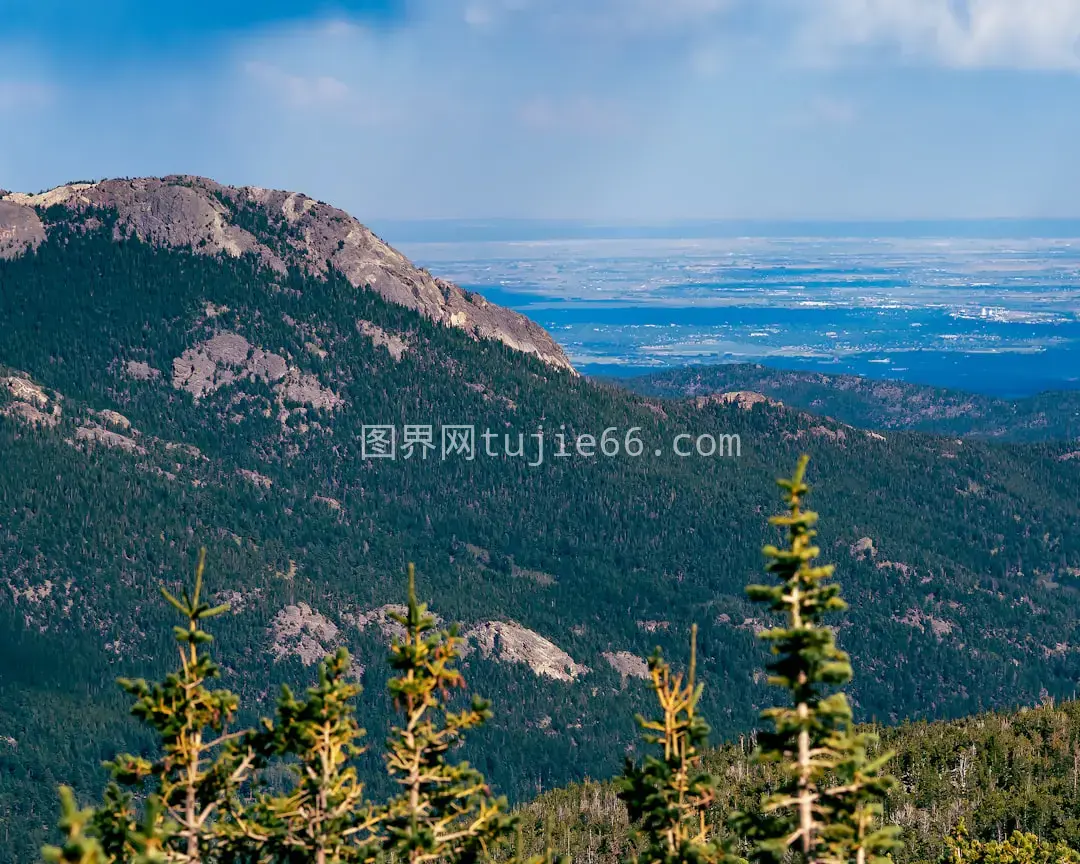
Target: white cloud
(1007,34)
(613,17)
(300,91)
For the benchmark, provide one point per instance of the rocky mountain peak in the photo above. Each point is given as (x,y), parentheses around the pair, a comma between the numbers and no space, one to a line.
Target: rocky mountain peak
(281,229)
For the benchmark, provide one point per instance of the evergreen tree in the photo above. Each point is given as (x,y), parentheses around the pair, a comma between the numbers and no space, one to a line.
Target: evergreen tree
(826,806)
(1020,848)
(79,846)
(200,769)
(669,794)
(444,811)
(200,766)
(324,818)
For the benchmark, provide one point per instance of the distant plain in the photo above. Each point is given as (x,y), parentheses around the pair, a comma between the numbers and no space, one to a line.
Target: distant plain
(991,307)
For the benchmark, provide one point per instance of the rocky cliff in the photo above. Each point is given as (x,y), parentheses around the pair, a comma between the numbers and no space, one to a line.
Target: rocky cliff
(282,229)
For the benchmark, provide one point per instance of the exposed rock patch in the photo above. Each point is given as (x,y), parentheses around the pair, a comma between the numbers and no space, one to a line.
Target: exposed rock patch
(489,396)
(141,371)
(25,390)
(394,344)
(187,449)
(91,433)
(205,368)
(237,601)
(745,399)
(114,418)
(29,414)
(300,631)
(862,549)
(754,625)
(229,357)
(899,566)
(183,211)
(835,435)
(304,389)
(381,619)
(627,665)
(20,230)
(255,478)
(509,642)
(31,404)
(921,621)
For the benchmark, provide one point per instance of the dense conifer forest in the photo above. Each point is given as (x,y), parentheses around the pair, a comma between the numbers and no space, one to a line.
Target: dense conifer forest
(881,404)
(960,559)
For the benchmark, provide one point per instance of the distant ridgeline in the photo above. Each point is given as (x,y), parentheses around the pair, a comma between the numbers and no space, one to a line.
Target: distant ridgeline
(155,400)
(884,405)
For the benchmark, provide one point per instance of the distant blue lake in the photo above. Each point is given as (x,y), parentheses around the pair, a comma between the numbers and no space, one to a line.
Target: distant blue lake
(980,308)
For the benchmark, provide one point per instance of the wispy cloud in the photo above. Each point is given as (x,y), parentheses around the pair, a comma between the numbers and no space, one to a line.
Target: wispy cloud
(612,17)
(1007,34)
(1004,34)
(299,91)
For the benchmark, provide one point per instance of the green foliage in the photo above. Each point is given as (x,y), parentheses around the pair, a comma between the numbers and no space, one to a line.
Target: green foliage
(1020,848)
(444,811)
(79,846)
(986,534)
(874,404)
(669,795)
(828,802)
(193,804)
(200,767)
(200,807)
(324,817)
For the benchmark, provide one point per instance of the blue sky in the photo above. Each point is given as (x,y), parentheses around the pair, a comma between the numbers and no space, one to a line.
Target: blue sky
(642,110)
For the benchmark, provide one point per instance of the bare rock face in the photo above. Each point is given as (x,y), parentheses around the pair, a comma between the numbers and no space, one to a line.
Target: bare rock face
(91,433)
(30,402)
(229,357)
(197,213)
(863,548)
(745,399)
(20,229)
(509,642)
(255,478)
(382,619)
(140,370)
(627,665)
(395,345)
(300,631)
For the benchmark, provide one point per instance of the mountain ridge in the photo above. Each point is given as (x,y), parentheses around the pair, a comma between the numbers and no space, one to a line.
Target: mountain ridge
(886,405)
(281,229)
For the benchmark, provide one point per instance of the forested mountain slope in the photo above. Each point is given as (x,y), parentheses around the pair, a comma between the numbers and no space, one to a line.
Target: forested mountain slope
(158,399)
(882,405)
(997,772)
